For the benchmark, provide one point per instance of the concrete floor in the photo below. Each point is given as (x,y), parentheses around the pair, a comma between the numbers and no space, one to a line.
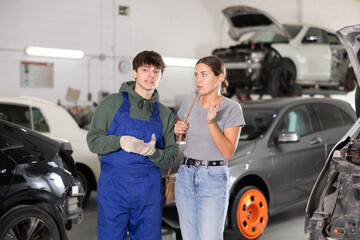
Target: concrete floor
(285,226)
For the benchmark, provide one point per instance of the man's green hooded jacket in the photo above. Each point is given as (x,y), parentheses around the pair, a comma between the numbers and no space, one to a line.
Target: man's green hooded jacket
(140,108)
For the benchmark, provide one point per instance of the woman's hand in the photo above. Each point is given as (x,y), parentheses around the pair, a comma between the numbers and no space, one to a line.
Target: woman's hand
(181,127)
(214,107)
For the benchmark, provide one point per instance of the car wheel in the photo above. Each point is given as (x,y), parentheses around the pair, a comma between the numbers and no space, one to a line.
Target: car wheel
(84,180)
(28,222)
(249,213)
(282,80)
(350,80)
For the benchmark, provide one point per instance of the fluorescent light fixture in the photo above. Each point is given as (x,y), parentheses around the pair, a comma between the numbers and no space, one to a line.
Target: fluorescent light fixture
(180,62)
(54,52)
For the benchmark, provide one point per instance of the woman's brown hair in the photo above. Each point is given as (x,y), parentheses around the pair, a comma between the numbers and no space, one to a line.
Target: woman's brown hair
(217,66)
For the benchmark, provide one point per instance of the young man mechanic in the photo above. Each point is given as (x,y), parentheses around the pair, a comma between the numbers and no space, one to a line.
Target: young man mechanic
(133,135)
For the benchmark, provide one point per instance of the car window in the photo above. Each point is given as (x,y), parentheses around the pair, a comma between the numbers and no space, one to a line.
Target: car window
(16,114)
(20,114)
(39,121)
(331,116)
(272,37)
(296,120)
(333,39)
(267,37)
(257,122)
(314,35)
(293,30)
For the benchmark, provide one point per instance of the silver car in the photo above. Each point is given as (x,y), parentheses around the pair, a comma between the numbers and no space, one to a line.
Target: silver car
(282,150)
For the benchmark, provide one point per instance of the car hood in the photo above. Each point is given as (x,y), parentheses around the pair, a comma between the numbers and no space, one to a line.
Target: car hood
(244,19)
(350,37)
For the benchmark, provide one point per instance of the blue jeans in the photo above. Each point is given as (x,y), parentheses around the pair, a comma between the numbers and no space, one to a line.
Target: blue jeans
(202,199)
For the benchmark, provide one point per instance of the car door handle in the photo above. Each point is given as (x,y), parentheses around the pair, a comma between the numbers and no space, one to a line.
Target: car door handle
(315,141)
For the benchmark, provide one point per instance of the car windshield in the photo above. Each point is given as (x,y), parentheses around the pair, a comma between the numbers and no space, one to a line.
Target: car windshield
(272,37)
(257,123)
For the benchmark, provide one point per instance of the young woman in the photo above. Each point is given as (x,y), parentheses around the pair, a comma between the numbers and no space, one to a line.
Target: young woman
(212,133)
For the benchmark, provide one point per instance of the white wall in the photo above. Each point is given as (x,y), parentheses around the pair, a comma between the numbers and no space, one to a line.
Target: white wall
(174,28)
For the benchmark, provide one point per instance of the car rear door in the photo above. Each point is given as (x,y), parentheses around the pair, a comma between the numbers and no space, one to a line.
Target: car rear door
(334,123)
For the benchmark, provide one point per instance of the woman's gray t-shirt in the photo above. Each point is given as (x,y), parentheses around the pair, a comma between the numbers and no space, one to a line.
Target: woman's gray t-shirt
(199,143)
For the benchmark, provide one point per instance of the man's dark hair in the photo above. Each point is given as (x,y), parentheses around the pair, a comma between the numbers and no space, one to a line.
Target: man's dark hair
(148,58)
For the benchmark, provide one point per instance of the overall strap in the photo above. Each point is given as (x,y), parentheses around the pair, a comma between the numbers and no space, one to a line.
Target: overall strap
(125,107)
(155,116)
(122,111)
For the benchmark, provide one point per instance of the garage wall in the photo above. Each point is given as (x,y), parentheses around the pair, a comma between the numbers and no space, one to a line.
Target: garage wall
(182,28)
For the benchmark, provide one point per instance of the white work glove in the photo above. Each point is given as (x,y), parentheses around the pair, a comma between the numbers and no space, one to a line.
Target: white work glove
(134,145)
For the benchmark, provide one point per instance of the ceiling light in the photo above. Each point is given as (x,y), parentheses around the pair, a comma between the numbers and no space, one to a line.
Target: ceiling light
(54,52)
(180,62)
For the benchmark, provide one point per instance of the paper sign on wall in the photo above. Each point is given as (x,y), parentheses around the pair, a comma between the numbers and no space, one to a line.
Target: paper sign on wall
(37,75)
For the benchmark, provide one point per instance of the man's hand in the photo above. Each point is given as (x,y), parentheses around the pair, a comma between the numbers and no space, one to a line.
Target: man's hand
(134,145)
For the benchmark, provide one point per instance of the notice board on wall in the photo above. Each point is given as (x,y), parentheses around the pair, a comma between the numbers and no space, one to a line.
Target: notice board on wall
(37,74)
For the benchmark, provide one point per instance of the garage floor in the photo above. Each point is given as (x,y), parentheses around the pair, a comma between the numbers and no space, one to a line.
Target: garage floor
(288,225)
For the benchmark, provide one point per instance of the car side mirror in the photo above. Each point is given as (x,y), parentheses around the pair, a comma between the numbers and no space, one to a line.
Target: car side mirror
(288,137)
(310,39)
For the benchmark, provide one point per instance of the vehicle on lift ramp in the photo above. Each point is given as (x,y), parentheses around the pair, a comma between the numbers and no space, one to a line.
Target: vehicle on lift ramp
(282,60)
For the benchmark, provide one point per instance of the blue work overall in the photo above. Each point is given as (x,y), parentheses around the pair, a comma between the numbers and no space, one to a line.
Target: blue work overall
(130,189)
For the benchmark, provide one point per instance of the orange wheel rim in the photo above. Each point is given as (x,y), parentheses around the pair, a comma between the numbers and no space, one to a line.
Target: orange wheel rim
(252,214)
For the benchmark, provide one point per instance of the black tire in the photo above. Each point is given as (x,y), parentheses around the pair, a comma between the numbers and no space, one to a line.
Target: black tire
(84,179)
(282,80)
(350,80)
(28,222)
(249,213)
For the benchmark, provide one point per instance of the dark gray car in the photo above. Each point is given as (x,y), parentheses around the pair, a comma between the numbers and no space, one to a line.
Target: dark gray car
(282,149)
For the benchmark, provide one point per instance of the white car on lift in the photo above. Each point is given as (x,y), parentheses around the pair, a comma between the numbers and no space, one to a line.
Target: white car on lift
(56,122)
(282,60)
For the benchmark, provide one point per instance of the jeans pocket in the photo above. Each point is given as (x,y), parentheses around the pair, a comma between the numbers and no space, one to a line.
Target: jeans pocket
(181,168)
(221,172)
